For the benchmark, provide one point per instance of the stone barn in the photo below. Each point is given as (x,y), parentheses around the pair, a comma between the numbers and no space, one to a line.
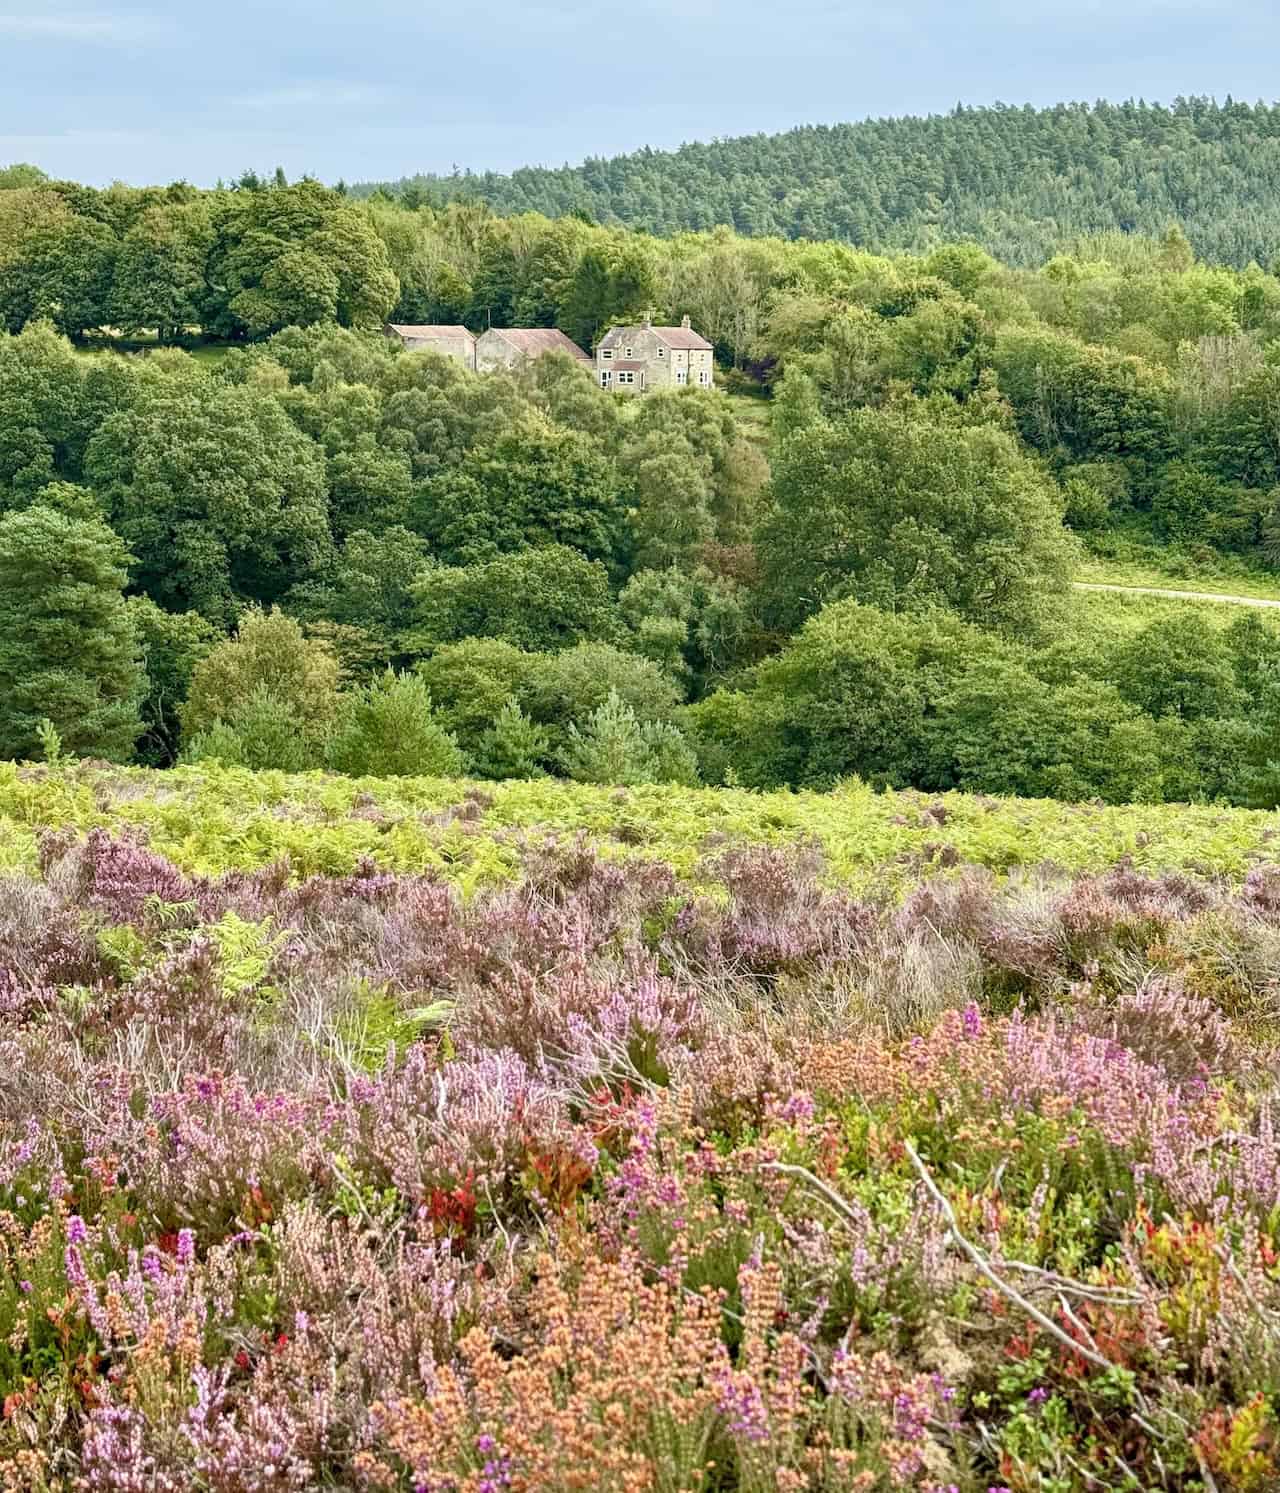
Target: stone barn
(511,347)
(453,342)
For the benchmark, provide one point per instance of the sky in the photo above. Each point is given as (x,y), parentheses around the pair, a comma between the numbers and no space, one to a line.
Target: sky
(162,90)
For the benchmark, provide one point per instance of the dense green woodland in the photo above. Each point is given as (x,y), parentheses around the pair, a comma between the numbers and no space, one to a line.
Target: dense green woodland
(318,550)
(1020,181)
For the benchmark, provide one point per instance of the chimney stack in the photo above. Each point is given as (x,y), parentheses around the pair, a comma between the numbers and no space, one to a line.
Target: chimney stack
(685,323)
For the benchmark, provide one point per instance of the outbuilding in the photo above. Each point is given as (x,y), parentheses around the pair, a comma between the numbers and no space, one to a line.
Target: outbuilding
(511,347)
(453,342)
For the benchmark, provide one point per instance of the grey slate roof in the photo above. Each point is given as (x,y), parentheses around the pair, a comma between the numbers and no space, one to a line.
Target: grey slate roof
(674,337)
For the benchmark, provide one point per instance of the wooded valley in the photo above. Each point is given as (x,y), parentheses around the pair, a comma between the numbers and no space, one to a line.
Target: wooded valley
(292,538)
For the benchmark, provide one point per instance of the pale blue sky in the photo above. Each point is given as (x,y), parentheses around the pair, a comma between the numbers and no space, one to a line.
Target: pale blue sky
(148,92)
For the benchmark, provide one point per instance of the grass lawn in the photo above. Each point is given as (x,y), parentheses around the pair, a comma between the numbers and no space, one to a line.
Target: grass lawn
(203,352)
(210,352)
(1116,615)
(1225,582)
(752,414)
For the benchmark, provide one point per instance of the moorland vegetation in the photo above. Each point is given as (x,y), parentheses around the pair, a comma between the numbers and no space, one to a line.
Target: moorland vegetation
(401,1135)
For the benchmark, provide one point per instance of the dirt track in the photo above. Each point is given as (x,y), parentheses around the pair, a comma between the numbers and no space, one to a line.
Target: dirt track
(1235,601)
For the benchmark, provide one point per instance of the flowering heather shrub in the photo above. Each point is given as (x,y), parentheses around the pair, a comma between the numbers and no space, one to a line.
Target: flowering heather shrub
(637,1177)
(776,918)
(115,876)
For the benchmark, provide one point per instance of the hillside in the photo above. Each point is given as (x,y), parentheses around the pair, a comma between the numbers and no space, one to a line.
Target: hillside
(426,1134)
(1020,181)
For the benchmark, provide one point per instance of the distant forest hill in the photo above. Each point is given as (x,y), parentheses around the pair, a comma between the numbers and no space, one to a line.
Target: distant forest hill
(1020,181)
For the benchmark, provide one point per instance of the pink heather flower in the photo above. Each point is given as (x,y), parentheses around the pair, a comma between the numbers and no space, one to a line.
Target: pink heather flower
(495,1476)
(742,1405)
(76,1273)
(25,1287)
(27,1149)
(798,1107)
(76,1231)
(971,1021)
(186,1247)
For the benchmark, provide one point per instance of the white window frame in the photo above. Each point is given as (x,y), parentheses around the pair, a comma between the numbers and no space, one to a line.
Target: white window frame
(606,353)
(682,376)
(626,352)
(662,352)
(704,376)
(606,377)
(626,376)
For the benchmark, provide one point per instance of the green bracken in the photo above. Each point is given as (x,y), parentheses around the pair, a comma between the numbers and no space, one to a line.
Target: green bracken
(211,819)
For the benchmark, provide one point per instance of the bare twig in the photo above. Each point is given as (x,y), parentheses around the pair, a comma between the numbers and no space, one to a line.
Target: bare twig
(831,1196)
(1268,1316)
(980,1264)
(1106,1295)
(497,1218)
(1206,1476)
(1078,1324)
(1086,1350)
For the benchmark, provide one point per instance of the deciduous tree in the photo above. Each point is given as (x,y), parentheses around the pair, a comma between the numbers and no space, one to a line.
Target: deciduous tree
(219,495)
(906,513)
(68,643)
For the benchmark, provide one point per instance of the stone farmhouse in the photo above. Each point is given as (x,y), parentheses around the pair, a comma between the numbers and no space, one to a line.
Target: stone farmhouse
(634,360)
(499,347)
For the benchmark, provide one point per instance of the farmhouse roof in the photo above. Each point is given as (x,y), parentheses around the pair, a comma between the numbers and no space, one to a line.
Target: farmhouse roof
(404,330)
(680,337)
(535,340)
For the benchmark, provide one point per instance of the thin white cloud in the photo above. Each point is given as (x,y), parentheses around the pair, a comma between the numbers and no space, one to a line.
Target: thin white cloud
(318,95)
(109,30)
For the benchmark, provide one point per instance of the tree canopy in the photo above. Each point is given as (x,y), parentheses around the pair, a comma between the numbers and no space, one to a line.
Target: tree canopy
(69,649)
(905,513)
(1016,180)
